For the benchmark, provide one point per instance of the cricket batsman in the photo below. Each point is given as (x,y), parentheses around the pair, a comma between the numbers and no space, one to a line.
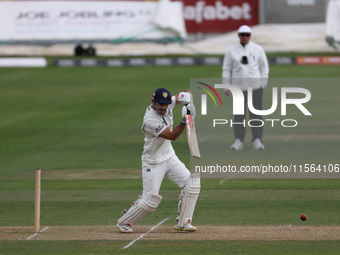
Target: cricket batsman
(159,160)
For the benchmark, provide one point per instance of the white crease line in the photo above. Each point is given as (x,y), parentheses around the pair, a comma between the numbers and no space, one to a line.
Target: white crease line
(138,176)
(205,138)
(36,234)
(231,176)
(221,182)
(288,138)
(153,228)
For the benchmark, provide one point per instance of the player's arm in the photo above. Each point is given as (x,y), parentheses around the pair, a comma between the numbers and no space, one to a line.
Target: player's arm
(174,134)
(227,67)
(226,70)
(263,64)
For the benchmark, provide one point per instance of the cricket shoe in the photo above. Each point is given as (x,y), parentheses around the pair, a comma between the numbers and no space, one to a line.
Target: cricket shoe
(126,228)
(257,144)
(187,227)
(237,145)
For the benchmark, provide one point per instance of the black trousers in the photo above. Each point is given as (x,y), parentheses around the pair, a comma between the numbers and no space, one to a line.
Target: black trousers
(256,126)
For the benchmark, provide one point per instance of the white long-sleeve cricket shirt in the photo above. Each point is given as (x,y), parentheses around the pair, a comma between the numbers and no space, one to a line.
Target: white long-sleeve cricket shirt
(242,75)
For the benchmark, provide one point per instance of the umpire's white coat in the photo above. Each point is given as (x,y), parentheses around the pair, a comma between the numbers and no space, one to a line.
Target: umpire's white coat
(257,66)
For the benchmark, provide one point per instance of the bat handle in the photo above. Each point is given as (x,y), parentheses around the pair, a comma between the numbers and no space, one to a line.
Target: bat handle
(188,111)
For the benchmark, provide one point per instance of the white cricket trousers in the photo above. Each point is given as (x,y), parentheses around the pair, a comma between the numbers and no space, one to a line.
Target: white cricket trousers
(153,175)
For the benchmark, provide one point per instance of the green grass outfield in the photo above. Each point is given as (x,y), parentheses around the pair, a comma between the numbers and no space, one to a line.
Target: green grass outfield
(82,127)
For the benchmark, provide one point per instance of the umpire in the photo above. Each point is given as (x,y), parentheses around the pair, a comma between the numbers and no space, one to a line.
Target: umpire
(245,65)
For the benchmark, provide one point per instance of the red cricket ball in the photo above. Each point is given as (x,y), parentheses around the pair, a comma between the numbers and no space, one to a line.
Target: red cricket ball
(303,217)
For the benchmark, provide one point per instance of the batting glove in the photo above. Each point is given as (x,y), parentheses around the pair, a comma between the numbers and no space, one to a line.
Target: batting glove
(184,97)
(189,109)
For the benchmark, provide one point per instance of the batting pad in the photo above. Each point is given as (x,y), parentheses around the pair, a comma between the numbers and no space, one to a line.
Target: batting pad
(191,192)
(139,209)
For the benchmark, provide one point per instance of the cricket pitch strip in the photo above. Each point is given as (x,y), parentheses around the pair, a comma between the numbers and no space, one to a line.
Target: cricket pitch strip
(165,232)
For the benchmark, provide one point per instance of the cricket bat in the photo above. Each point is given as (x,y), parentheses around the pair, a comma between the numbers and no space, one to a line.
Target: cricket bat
(192,137)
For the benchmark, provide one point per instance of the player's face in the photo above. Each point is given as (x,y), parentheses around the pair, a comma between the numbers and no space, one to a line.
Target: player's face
(244,38)
(161,108)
